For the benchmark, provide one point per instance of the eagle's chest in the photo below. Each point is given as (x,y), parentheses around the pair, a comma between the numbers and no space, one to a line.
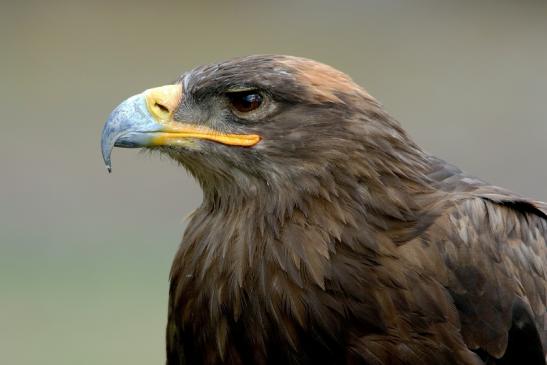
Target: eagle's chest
(255,329)
(237,297)
(262,318)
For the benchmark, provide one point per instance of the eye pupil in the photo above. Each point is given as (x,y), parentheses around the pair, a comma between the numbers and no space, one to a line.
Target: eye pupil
(245,101)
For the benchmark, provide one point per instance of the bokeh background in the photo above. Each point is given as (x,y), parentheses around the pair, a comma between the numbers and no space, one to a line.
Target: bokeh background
(84,256)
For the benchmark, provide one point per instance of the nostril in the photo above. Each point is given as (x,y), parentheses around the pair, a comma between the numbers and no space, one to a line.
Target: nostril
(161,107)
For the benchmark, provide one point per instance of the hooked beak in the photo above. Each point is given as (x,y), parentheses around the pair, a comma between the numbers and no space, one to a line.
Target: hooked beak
(146,120)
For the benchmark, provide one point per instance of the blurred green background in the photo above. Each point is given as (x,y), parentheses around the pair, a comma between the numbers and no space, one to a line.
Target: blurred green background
(85,256)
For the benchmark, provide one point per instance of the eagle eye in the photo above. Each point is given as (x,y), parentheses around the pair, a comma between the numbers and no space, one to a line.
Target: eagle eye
(245,101)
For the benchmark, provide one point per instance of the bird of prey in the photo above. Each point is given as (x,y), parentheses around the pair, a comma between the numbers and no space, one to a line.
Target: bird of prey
(326,235)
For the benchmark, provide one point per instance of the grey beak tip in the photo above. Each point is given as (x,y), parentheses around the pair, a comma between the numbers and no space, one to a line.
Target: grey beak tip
(130,116)
(106,150)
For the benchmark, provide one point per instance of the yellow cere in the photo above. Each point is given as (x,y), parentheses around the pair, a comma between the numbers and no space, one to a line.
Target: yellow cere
(163,101)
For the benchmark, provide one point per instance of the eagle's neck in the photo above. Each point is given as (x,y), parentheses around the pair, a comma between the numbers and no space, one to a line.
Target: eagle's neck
(238,226)
(261,244)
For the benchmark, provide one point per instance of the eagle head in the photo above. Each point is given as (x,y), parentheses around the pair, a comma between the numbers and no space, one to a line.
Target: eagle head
(276,122)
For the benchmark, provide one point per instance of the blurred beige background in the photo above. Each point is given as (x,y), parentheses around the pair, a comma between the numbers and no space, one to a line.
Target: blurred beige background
(84,256)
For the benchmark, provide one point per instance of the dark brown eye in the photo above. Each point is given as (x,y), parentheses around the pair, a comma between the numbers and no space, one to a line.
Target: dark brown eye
(245,101)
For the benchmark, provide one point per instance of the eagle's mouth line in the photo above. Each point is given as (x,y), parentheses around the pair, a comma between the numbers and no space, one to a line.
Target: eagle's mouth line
(168,137)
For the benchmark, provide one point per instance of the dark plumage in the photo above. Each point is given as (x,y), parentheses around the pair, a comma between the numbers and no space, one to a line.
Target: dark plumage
(328,236)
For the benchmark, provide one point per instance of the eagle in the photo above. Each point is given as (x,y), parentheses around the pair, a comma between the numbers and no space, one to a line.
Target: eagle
(326,235)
